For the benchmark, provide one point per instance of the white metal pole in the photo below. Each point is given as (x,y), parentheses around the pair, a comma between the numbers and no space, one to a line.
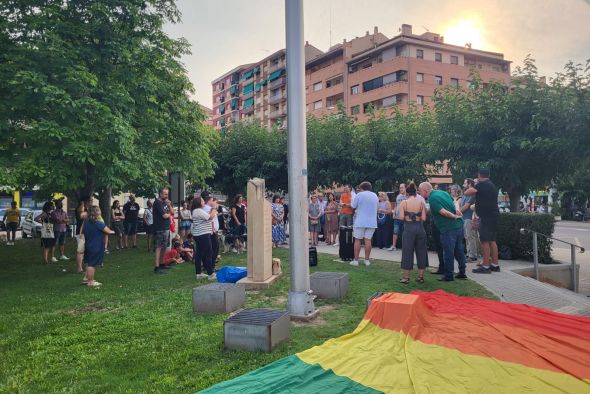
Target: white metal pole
(300,297)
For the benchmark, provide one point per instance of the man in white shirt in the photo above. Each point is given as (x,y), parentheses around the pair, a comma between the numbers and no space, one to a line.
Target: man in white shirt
(365,205)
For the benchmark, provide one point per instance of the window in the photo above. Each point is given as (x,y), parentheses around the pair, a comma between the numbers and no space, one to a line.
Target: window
(454,59)
(355,109)
(317,104)
(419,54)
(438,57)
(419,77)
(496,68)
(354,89)
(317,86)
(420,100)
(389,101)
(437,80)
(455,82)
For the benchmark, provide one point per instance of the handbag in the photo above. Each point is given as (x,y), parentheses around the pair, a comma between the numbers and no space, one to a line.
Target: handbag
(313,221)
(81,247)
(47,230)
(381,218)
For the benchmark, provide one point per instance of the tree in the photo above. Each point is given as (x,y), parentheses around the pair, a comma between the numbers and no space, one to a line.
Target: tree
(518,131)
(247,151)
(95,98)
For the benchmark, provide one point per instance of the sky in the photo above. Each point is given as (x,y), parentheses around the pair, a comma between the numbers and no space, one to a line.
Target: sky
(226,33)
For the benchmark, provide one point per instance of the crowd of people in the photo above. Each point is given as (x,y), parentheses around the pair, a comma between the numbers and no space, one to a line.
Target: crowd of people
(463,220)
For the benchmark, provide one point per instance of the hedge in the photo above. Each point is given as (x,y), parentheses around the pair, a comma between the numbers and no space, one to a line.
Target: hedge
(521,246)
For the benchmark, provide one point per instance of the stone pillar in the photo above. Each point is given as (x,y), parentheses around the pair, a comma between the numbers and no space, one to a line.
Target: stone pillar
(259,223)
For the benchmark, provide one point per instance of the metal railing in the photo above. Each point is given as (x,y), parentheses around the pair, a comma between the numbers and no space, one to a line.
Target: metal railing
(574,274)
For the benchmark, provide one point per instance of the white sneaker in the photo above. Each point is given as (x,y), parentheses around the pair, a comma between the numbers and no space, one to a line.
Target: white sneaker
(212,277)
(336,244)
(234,250)
(63,257)
(354,263)
(53,260)
(202,276)
(367,263)
(391,248)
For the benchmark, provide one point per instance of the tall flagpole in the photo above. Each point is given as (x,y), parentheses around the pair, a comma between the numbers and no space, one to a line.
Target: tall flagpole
(300,297)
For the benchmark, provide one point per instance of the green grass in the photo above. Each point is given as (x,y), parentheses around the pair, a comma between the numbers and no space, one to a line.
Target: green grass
(138,333)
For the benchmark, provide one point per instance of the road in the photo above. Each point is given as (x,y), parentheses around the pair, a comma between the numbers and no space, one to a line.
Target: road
(577,233)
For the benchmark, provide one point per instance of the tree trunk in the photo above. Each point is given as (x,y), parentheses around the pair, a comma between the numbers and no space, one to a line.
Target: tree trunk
(514,201)
(104,201)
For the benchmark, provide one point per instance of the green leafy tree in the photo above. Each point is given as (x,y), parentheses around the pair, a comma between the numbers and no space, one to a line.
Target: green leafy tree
(517,131)
(247,151)
(95,98)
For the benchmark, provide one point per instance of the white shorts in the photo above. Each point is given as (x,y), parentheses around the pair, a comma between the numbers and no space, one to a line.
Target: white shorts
(363,232)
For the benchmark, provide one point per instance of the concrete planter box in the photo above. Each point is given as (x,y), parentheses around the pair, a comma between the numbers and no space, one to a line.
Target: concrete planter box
(554,274)
(256,330)
(218,298)
(331,285)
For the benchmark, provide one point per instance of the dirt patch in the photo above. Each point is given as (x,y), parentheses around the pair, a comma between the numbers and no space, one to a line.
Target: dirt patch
(89,308)
(318,321)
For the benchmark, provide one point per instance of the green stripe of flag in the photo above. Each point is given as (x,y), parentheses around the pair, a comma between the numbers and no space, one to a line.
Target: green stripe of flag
(290,375)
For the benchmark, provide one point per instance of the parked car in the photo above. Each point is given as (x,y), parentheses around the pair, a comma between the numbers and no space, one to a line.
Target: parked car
(30,228)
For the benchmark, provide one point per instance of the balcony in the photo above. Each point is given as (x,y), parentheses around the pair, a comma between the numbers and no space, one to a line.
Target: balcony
(248,110)
(246,96)
(276,67)
(278,113)
(277,98)
(277,83)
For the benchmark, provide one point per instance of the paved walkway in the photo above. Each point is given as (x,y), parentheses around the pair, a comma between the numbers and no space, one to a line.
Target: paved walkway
(507,285)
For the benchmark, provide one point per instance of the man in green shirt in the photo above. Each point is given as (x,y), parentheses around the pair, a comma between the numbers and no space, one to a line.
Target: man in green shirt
(449,220)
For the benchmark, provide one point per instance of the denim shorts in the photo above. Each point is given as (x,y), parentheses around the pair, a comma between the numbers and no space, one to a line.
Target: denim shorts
(398,226)
(131,228)
(60,238)
(161,239)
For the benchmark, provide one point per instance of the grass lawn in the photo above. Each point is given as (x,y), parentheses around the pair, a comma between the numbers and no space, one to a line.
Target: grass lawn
(138,333)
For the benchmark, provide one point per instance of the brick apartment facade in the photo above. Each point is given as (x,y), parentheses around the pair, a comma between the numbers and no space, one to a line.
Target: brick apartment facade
(370,71)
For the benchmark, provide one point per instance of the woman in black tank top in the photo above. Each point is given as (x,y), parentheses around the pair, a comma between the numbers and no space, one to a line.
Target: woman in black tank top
(413,212)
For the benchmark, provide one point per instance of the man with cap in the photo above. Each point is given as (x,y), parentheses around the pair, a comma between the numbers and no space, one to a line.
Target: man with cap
(486,207)
(131,212)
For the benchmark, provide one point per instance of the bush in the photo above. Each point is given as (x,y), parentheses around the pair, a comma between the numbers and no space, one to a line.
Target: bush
(521,245)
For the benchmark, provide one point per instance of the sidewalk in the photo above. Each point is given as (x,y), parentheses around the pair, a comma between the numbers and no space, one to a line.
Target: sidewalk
(506,285)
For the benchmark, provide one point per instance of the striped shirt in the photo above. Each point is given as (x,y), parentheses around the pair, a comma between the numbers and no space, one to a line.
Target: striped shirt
(201,223)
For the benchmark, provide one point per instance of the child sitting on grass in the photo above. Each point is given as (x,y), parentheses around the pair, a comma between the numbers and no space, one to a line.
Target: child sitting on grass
(187,250)
(172,256)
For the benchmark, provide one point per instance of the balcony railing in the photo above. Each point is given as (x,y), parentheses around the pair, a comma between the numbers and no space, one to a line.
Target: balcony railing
(277,82)
(248,110)
(278,113)
(276,99)
(246,96)
(276,67)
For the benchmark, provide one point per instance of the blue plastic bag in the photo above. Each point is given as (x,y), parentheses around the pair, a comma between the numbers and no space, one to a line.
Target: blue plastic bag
(229,274)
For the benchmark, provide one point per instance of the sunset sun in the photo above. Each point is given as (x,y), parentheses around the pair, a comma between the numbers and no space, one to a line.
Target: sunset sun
(463,32)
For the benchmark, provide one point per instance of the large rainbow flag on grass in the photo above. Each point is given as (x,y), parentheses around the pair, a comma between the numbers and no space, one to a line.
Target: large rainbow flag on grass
(437,343)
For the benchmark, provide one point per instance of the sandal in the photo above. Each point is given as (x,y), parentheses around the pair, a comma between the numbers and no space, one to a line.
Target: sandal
(94,284)
(420,279)
(405,281)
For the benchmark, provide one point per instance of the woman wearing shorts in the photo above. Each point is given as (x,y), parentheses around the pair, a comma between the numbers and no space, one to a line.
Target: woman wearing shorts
(44,218)
(117,218)
(185,221)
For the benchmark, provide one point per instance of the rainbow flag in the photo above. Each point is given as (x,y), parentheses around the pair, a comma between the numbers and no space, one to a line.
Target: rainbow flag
(437,343)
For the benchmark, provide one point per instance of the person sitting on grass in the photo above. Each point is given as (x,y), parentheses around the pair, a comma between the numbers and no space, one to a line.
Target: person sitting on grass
(188,248)
(173,256)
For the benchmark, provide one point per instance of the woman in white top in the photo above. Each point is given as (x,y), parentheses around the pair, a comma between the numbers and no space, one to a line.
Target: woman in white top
(148,221)
(201,230)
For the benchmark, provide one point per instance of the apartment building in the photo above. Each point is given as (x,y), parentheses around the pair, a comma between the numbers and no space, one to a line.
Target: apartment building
(255,92)
(366,72)
(395,73)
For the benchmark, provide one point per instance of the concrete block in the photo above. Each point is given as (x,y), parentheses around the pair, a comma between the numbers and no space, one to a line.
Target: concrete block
(329,284)
(218,298)
(256,329)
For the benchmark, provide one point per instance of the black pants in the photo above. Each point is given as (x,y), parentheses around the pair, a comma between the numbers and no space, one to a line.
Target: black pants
(438,247)
(214,248)
(203,254)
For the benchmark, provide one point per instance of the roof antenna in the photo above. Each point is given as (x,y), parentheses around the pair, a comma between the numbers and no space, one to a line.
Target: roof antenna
(425,28)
